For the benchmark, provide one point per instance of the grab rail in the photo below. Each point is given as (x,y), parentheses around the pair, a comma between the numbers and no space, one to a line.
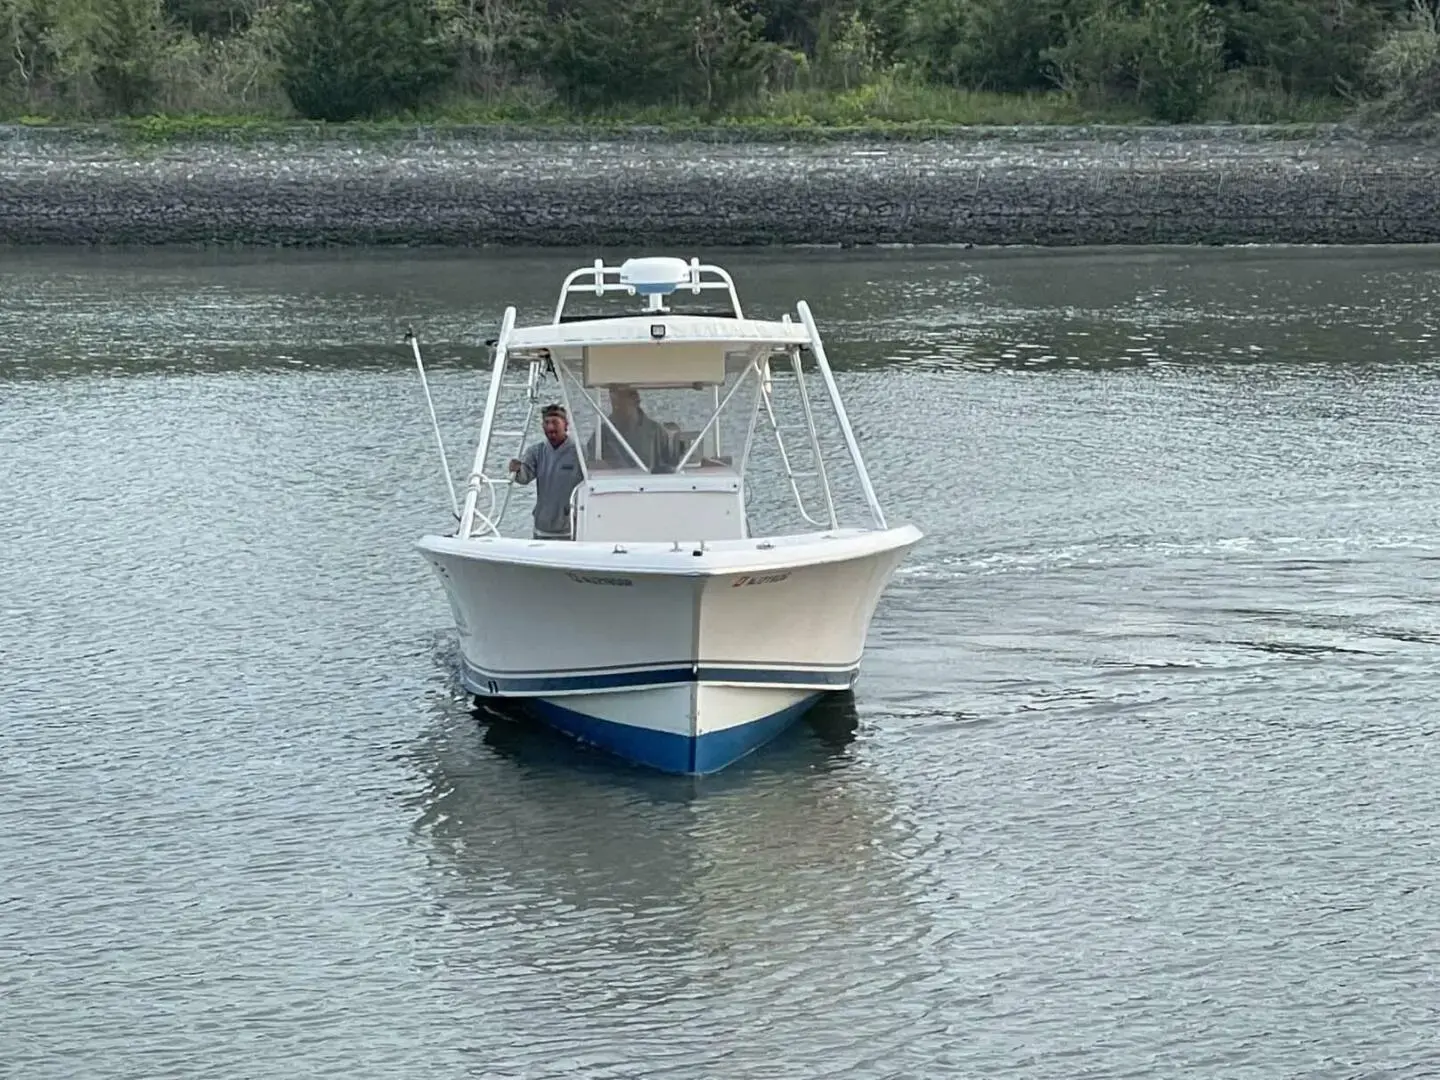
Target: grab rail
(600,286)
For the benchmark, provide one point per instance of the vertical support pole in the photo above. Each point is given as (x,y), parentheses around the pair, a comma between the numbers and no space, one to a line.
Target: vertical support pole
(815,449)
(487,425)
(818,348)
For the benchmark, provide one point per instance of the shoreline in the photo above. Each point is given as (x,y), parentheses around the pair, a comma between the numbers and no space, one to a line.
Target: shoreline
(299,186)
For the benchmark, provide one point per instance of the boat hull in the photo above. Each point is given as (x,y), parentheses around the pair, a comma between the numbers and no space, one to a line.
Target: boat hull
(684,661)
(723,732)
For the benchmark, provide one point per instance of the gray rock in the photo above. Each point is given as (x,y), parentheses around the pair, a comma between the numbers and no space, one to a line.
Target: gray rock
(989,186)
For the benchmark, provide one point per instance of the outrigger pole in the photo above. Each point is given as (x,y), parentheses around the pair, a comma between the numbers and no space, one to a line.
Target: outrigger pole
(435,423)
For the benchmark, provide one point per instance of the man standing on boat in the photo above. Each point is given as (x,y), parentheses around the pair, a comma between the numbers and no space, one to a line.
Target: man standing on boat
(644,434)
(554,465)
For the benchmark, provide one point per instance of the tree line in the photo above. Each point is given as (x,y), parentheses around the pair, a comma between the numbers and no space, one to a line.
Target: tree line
(344,59)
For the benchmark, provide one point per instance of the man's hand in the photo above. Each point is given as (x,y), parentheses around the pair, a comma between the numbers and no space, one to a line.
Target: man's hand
(514,465)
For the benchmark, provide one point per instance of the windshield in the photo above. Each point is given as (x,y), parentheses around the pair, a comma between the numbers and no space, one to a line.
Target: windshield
(638,429)
(641,427)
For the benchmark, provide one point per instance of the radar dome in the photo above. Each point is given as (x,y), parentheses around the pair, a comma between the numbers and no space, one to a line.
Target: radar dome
(655,275)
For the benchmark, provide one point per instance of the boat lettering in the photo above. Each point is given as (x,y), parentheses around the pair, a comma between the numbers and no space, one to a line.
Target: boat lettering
(598,579)
(760,579)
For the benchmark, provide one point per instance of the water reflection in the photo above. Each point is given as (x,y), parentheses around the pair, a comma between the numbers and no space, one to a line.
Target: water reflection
(184,312)
(565,840)
(1107,803)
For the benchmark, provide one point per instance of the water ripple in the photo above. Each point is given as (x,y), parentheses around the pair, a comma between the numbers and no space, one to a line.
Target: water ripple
(1139,777)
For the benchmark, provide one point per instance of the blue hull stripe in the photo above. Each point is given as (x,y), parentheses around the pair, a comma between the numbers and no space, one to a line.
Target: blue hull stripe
(665,750)
(478,681)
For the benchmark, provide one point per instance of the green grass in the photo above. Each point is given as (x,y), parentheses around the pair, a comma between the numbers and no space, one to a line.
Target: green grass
(882,104)
(884,108)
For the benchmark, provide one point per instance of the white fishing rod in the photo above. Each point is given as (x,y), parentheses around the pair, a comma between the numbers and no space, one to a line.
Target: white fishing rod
(435,423)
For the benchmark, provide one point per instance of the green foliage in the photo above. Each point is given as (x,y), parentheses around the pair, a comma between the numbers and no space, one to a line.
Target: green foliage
(236,73)
(847,53)
(696,52)
(799,24)
(1405,69)
(804,63)
(128,39)
(887,22)
(344,59)
(987,44)
(83,57)
(1314,47)
(209,18)
(1164,54)
(490,41)
(28,62)
(1249,96)
(1181,61)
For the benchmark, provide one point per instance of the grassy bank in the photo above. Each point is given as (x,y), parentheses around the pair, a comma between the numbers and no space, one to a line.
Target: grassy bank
(878,110)
(893,103)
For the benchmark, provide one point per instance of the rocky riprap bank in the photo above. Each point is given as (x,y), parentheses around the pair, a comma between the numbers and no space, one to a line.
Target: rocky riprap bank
(990,186)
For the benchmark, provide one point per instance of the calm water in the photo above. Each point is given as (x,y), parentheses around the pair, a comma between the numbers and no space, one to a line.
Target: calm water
(1140,778)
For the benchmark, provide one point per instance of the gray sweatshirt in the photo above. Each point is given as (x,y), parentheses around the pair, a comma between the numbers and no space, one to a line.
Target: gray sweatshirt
(556,472)
(646,437)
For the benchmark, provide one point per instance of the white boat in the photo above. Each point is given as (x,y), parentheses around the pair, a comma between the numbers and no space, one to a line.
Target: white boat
(665,629)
